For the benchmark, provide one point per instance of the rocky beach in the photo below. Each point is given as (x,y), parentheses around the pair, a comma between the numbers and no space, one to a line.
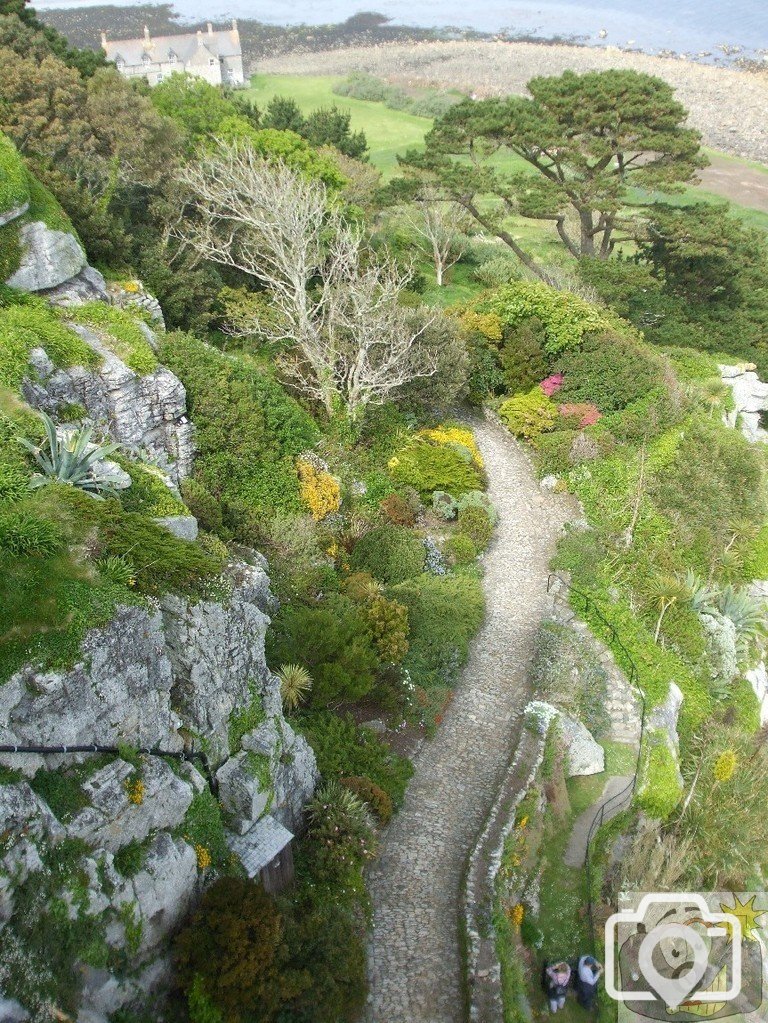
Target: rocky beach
(727,106)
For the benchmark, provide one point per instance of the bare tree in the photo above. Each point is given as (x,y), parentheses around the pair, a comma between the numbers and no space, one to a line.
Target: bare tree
(442,226)
(351,342)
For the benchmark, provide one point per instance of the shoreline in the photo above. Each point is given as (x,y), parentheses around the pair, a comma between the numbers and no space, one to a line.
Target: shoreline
(728,106)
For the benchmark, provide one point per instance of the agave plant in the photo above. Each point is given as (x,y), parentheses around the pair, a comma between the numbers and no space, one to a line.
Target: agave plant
(68,460)
(295,683)
(701,596)
(747,613)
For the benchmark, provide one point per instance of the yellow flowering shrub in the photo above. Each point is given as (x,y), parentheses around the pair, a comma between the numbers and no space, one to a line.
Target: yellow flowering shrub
(203,857)
(487,324)
(134,789)
(516,914)
(320,492)
(455,437)
(725,765)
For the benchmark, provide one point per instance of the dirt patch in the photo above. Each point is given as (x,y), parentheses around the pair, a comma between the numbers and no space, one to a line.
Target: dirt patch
(746,186)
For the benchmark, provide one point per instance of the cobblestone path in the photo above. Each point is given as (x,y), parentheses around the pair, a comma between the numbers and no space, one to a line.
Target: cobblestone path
(414,955)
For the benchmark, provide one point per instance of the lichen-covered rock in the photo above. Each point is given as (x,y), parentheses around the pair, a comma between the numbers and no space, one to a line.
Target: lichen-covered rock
(583,755)
(217,652)
(182,526)
(146,412)
(162,892)
(114,819)
(146,679)
(758,679)
(245,790)
(6,216)
(87,286)
(750,398)
(292,768)
(133,293)
(48,258)
(120,691)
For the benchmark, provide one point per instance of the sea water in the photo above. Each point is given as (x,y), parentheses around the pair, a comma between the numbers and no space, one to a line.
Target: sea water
(695,27)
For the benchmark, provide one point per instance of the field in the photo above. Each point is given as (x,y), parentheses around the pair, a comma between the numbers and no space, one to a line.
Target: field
(390,132)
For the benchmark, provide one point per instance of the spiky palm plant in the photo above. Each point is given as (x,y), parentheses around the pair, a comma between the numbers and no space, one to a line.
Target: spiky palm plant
(295,683)
(664,591)
(68,460)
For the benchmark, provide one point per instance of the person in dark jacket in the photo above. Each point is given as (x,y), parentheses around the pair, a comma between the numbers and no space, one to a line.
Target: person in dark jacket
(555,981)
(588,973)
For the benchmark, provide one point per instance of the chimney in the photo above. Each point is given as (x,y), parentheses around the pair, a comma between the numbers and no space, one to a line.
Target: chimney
(234,24)
(210,28)
(199,37)
(147,38)
(103,40)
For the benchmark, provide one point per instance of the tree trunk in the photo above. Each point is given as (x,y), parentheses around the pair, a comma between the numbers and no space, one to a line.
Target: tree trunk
(587,237)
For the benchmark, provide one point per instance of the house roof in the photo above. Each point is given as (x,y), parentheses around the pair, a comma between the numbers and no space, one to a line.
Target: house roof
(225,43)
(259,846)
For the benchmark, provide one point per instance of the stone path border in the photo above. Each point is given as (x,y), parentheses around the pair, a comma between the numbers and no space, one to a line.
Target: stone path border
(415,966)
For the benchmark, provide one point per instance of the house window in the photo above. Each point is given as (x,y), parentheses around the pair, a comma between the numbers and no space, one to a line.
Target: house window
(159,76)
(172,58)
(211,61)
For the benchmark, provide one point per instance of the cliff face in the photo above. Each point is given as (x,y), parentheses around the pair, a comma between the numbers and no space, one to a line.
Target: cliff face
(125,843)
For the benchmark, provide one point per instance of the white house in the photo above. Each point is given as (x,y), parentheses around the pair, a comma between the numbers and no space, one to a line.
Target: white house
(215,56)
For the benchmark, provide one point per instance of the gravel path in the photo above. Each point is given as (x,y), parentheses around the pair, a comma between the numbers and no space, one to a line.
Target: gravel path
(576,851)
(414,958)
(727,106)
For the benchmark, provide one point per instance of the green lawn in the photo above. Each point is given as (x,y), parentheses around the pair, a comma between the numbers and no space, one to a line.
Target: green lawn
(388,131)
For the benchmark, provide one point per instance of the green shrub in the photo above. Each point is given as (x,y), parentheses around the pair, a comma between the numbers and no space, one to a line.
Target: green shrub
(341,829)
(14,479)
(756,560)
(444,613)
(163,561)
(461,549)
(203,825)
(565,317)
(24,327)
(332,641)
(390,553)
(148,492)
(43,205)
(202,504)
(24,533)
(522,356)
(129,858)
(120,332)
(610,371)
(428,467)
(378,800)
(249,430)
(445,505)
(475,523)
(234,941)
(478,499)
(659,785)
(528,415)
(62,791)
(344,750)
(14,189)
(10,259)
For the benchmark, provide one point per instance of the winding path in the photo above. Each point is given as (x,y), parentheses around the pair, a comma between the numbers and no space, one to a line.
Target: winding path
(414,952)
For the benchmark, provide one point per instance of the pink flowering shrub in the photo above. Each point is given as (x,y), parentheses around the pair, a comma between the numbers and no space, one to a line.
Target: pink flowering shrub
(584,412)
(552,384)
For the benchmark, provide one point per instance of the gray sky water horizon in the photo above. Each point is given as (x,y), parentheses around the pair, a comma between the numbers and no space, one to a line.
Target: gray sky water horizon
(684,26)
